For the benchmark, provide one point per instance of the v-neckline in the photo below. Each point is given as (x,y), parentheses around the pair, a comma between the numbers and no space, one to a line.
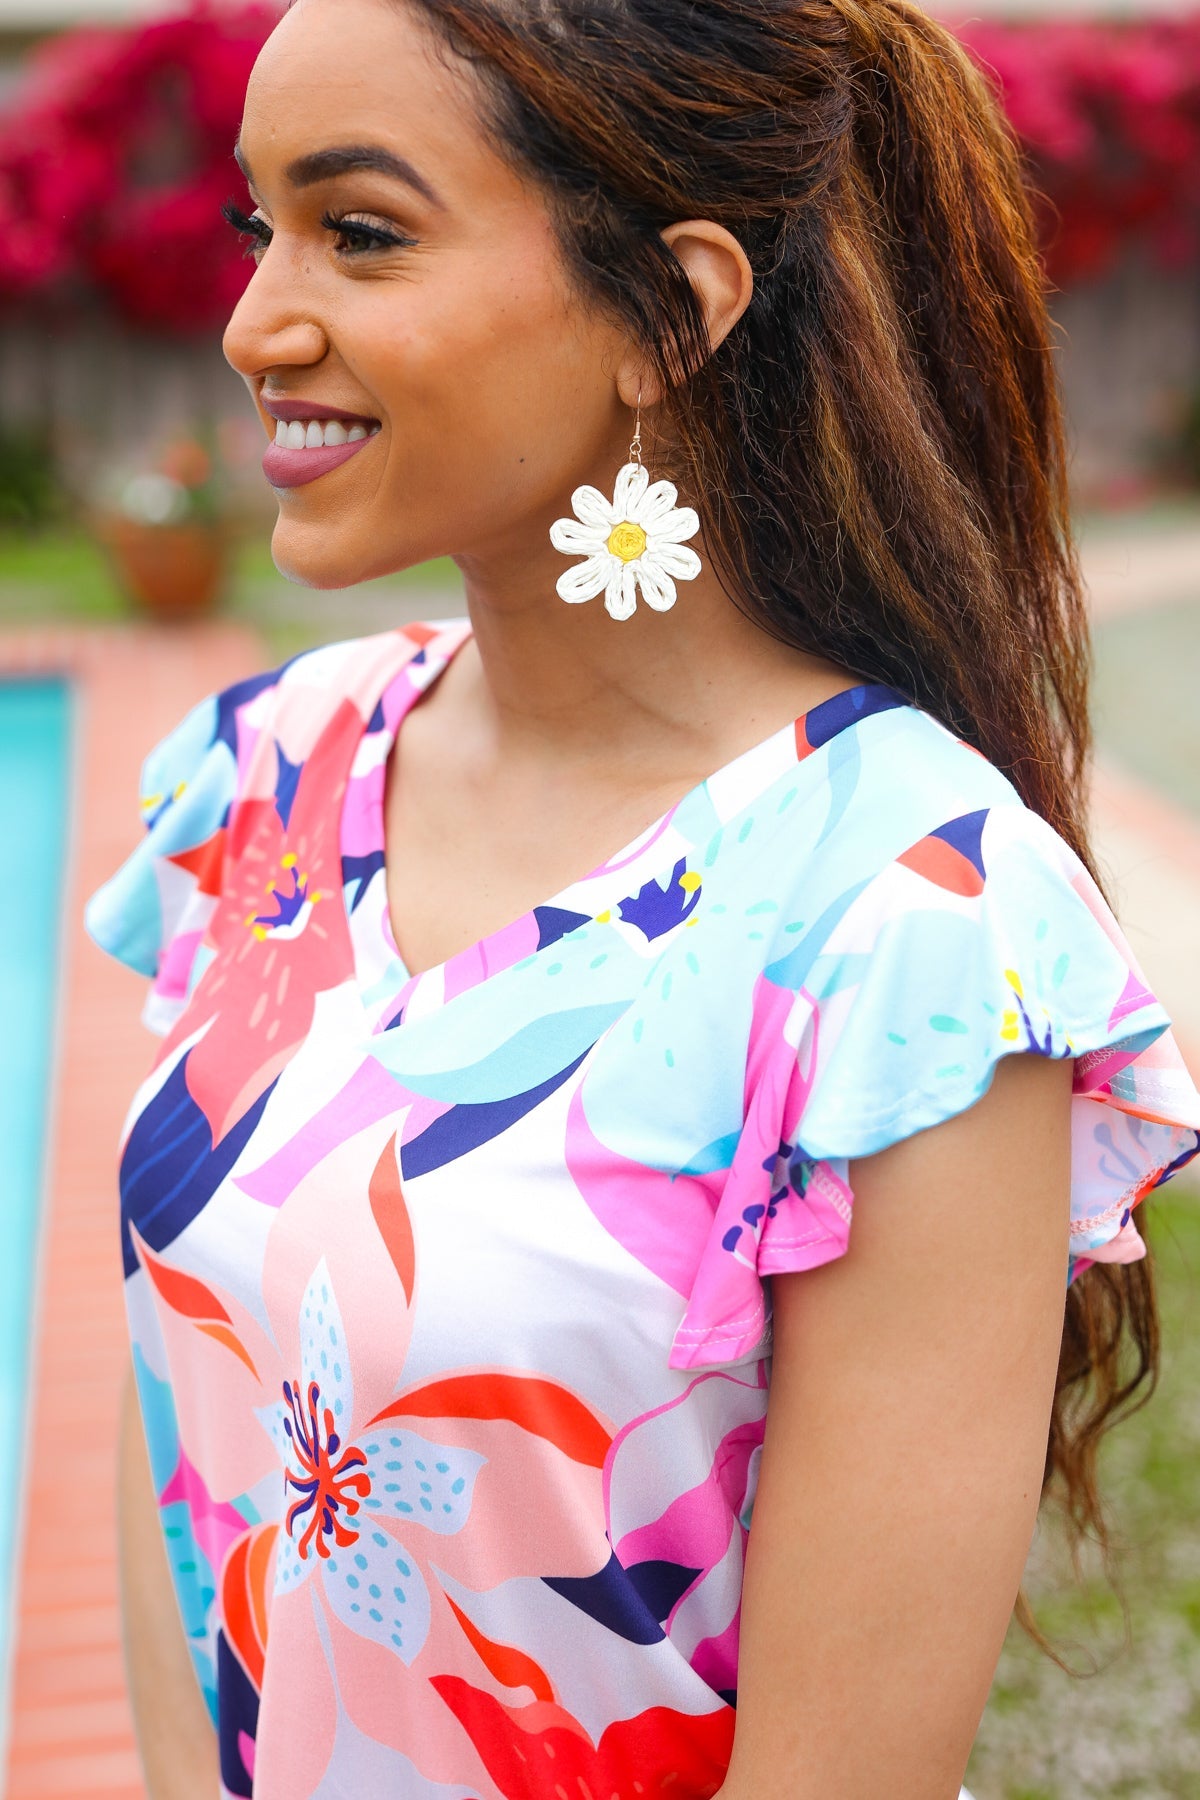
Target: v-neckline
(520,939)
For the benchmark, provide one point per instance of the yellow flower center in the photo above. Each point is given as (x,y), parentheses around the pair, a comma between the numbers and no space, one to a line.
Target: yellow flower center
(626,541)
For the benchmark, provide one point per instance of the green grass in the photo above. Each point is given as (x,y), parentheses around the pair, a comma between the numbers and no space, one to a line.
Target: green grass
(1131,1731)
(56,574)
(63,575)
(1146,711)
(1163,513)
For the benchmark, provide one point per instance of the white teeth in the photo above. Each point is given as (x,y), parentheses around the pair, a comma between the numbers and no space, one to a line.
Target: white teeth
(314,434)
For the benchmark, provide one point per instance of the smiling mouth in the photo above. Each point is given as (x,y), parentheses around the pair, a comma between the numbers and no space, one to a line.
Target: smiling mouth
(305,449)
(317,434)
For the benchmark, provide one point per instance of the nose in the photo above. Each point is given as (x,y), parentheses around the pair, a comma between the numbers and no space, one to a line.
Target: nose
(270,326)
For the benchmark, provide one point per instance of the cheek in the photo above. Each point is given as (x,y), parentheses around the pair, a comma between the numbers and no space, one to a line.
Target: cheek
(493,362)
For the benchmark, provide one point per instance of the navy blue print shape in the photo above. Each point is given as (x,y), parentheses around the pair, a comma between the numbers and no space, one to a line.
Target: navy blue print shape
(361,869)
(655,910)
(612,1600)
(473,1123)
(171,1168)
(832,716)
(966,836)
(554,922)
(661,1585)
(287,780)
(238,1705)
(232,699)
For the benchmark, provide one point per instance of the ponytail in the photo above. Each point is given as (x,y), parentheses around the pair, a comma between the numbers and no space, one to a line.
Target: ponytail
(876,450)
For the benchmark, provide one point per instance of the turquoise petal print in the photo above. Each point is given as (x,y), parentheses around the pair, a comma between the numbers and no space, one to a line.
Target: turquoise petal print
(532,1055)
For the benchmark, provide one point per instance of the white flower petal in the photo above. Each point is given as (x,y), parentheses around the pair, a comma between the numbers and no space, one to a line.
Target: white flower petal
(379,1592)
(418,1482)
(291,1569)
(585,580)
(271,1419)
(574,539)
(655,504)
(675,527)
(658,590)
(589,505)
(674,559)
(631,485)
(323,1357)
(620,597)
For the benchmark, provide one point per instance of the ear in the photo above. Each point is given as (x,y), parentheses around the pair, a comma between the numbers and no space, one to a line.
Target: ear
(722,281)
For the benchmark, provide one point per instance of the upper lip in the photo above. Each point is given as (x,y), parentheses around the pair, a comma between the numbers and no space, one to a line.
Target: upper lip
(291,410)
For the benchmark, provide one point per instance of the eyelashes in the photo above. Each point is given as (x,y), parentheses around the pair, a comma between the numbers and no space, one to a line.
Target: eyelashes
(360,236)
(255,231)
(353,236)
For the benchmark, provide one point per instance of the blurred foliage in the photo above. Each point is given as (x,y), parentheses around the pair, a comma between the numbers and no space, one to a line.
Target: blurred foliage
(115,158)
(1185,450)
(30,494)
(1108,114)
(115,151)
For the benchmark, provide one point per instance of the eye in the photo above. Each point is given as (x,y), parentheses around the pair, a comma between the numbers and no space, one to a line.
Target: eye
(358,237)
(249,226)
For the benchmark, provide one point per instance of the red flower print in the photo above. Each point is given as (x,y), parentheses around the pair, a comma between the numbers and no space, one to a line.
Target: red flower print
(540,1752)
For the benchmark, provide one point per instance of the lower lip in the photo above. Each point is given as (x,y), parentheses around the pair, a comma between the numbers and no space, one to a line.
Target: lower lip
(292,468)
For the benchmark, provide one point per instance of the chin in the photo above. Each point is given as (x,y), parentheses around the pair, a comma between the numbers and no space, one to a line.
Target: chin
(313,558)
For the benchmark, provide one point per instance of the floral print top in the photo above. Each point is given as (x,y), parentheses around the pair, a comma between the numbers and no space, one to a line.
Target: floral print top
(448,1291)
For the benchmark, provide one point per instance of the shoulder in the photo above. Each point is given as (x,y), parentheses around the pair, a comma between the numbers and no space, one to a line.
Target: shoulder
(897,771)
(944,925)
(249,741)
(878,785)
(222,741)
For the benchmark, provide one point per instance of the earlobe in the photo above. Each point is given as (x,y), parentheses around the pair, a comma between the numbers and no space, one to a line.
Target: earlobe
(718,269)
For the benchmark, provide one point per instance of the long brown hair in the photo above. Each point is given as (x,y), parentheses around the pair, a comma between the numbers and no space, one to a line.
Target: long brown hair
(876,450)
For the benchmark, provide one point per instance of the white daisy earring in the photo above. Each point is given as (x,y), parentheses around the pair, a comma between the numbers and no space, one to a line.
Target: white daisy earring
(635,540)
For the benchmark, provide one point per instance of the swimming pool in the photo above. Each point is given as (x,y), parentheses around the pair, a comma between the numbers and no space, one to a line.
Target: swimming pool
(35,732)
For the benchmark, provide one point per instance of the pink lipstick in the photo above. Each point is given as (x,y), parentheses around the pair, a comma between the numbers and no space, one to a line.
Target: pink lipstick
(312,438)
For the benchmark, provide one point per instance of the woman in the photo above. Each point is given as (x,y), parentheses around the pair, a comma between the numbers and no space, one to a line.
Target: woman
(480,1212)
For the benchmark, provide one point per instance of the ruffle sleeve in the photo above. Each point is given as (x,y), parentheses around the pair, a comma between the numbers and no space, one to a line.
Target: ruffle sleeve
(986,939)
(154,912)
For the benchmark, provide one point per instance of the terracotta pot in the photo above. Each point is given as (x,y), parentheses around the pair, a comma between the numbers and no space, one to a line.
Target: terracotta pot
(170,571)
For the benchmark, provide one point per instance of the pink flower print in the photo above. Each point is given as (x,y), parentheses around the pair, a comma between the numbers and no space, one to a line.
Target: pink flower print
(279,933)
(348,1490)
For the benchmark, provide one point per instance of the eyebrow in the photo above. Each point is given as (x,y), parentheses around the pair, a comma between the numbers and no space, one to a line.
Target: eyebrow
(346,159)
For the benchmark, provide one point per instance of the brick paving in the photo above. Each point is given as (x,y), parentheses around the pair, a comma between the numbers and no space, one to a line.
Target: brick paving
(70,1734)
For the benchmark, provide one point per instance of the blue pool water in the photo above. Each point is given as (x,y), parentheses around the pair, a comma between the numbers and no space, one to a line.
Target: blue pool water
(35,728)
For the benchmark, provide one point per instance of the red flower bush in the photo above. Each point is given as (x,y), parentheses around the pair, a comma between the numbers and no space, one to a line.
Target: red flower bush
(114,163)
(115,159)
(1108,112)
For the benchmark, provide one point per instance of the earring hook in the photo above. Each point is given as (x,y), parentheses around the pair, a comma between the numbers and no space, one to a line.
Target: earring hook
(635,448)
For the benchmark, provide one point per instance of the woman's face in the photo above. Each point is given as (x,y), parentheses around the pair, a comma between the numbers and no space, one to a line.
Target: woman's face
(408,279)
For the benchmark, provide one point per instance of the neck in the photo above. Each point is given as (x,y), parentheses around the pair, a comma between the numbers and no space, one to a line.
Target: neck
(570,680)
